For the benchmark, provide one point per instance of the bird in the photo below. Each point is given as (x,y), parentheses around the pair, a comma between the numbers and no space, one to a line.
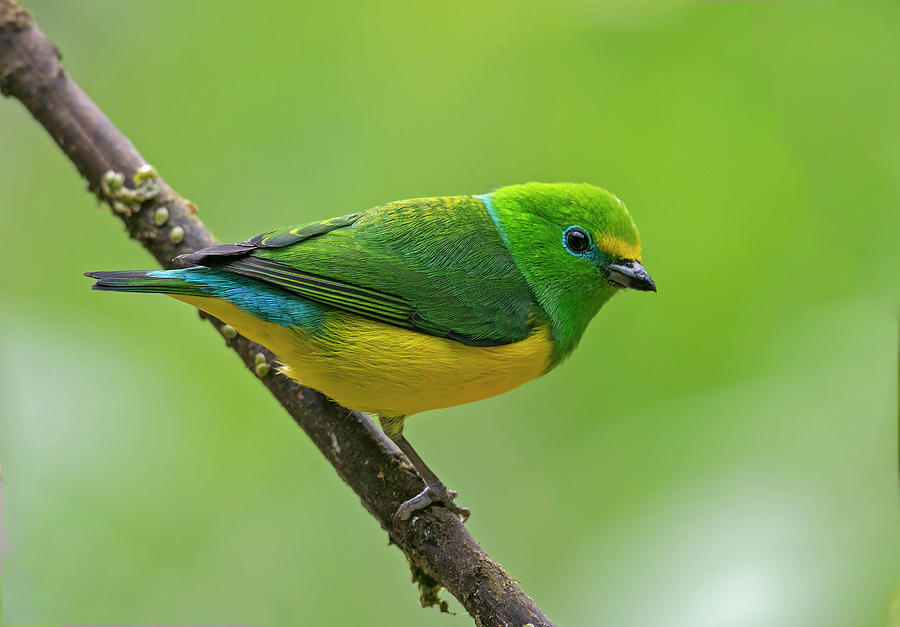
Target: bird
(418,304)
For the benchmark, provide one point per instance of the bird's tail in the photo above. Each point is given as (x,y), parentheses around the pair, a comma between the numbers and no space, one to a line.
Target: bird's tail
(158,281)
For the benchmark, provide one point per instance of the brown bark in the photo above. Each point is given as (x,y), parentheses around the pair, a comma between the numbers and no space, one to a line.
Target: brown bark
(437,544)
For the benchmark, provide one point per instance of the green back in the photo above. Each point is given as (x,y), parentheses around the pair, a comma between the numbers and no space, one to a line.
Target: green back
(443,256)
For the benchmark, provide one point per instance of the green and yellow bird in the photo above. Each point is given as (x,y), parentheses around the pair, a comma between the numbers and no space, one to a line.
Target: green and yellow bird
(419,304)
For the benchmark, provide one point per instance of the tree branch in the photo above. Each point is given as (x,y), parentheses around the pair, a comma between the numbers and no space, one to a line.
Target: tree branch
(438,546)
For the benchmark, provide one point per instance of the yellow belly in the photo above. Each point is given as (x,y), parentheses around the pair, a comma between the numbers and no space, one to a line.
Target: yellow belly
(378,368)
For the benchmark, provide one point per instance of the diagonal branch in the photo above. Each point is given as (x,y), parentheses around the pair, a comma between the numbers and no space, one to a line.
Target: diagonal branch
(440,550)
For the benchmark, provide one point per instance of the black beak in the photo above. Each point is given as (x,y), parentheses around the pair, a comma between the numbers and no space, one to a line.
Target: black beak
(629,274)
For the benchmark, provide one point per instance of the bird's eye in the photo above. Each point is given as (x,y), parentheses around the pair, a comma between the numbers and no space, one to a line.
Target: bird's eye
(577,241)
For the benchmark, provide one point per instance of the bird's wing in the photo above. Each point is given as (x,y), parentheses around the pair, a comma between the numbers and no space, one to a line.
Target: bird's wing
(435,265)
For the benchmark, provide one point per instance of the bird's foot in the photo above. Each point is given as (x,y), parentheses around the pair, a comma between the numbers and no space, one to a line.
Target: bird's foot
(433,493)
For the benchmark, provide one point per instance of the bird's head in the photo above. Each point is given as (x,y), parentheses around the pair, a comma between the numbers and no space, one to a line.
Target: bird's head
(576,244)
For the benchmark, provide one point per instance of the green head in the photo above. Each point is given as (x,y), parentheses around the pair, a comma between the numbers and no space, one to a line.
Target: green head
(577,246)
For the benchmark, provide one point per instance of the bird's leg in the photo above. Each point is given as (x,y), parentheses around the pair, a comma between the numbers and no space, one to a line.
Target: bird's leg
(435,491)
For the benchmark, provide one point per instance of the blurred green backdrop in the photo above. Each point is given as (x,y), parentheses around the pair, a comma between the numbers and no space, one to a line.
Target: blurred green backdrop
(720,454)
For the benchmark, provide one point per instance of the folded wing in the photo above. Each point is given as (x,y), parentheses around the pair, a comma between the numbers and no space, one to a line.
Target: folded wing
(433,265)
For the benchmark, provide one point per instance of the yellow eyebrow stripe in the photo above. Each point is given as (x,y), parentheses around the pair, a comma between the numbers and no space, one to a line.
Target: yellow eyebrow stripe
(619,247)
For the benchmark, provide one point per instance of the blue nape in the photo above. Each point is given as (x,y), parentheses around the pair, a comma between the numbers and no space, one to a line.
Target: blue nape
(489,207)
(269,303)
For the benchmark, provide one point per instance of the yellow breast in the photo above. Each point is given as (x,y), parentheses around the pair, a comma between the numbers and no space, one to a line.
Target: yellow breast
(373,367)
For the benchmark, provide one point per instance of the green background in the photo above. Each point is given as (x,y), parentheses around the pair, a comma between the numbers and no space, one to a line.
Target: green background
(722,453)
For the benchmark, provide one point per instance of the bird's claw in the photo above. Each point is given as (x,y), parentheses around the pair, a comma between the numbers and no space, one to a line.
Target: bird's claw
(431,494)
